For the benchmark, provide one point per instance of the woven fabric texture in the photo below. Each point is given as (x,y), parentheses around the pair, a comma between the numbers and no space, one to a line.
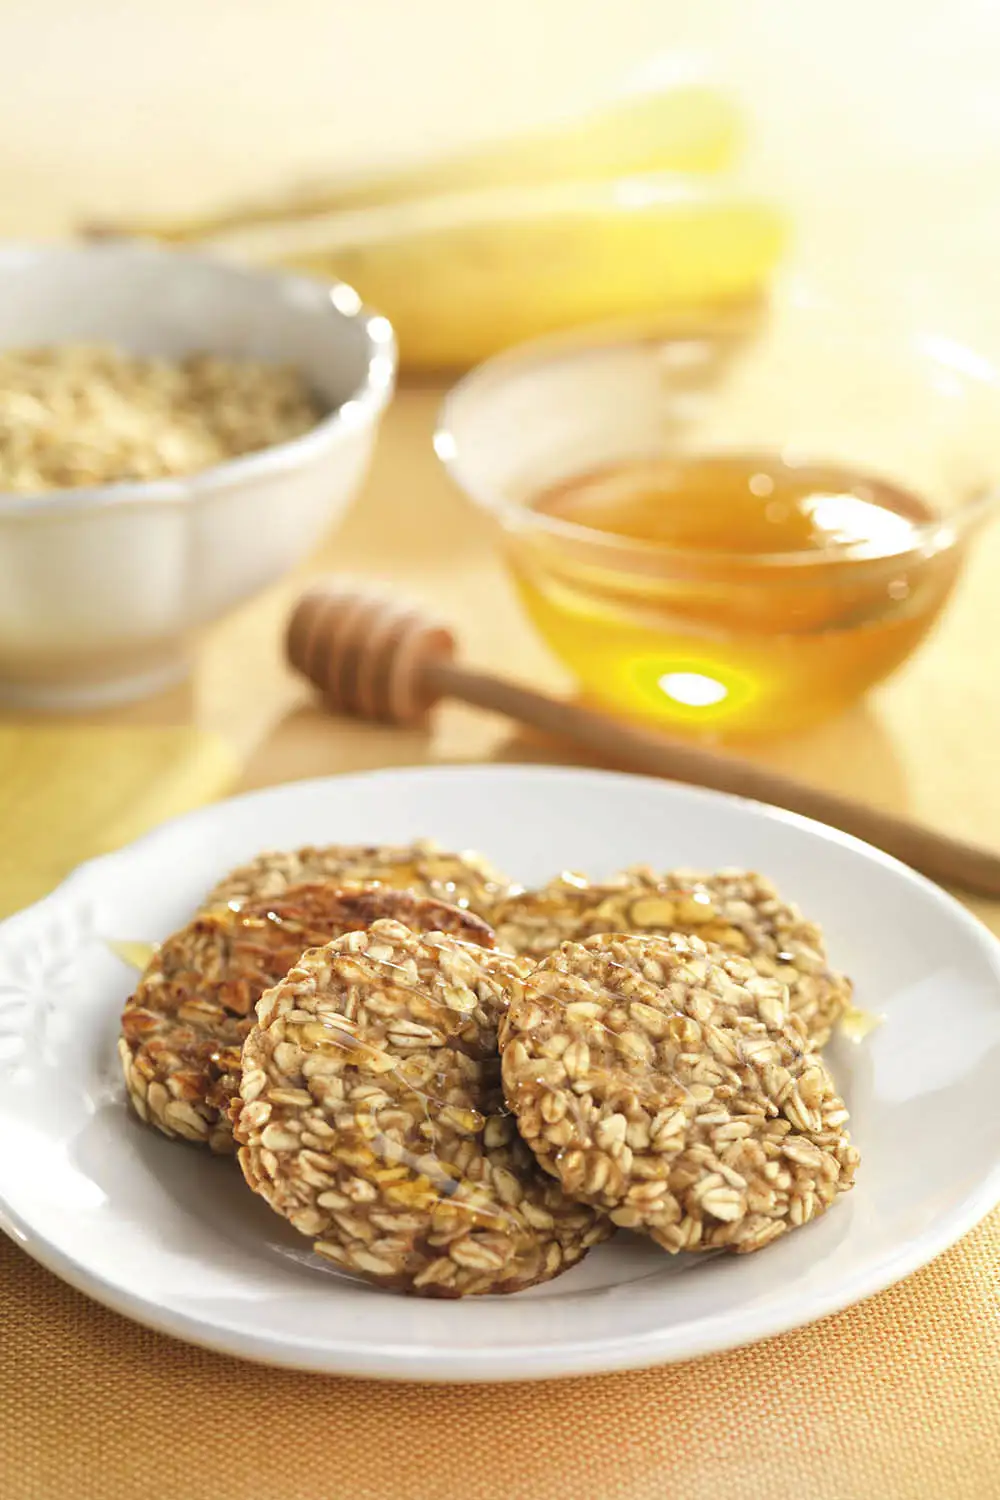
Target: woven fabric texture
(896,1399)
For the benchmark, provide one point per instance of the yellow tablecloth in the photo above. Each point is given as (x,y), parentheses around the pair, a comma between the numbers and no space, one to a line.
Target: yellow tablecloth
(897,1399)
(72,792)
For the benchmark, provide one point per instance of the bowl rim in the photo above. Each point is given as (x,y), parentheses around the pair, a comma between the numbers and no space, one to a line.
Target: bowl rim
(358,410)
(935,535)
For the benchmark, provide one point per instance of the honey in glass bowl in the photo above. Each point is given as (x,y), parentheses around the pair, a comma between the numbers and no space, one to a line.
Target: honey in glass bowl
(735,529)
(819,582)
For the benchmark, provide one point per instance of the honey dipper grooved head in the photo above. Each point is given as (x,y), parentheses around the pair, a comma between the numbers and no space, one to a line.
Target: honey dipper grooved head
(368,655)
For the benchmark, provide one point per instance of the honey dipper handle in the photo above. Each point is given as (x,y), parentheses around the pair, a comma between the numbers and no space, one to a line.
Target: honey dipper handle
(944,859)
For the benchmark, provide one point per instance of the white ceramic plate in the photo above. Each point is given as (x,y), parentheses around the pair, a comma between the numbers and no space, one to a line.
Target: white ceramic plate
(170,1236)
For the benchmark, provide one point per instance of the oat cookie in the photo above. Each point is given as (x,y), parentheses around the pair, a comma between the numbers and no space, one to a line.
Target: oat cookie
(373,1119)
(738,909)
(465,879)
(183,1029)
(667,1083)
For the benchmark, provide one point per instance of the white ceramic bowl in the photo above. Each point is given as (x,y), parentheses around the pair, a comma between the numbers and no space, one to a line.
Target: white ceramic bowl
(101,589)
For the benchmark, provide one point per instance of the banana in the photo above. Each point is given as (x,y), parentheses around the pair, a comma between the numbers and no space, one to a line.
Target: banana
(682,126)
(465,275)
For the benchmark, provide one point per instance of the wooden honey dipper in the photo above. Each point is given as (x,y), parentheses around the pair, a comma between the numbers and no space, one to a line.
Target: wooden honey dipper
(375,658)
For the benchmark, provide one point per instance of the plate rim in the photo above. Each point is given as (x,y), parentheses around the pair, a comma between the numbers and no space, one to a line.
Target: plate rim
(434,1364)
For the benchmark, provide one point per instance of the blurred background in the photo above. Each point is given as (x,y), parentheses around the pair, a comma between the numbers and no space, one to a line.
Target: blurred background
(871,131)
(867,117)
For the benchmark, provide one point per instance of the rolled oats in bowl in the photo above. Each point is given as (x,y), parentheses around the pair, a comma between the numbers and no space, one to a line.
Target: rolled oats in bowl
(81,415)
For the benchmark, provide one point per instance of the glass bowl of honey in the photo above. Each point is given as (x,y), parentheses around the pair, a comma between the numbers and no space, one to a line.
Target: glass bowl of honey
(732,528)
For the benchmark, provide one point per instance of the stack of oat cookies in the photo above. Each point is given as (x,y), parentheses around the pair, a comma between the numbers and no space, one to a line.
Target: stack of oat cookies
(453,1086)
